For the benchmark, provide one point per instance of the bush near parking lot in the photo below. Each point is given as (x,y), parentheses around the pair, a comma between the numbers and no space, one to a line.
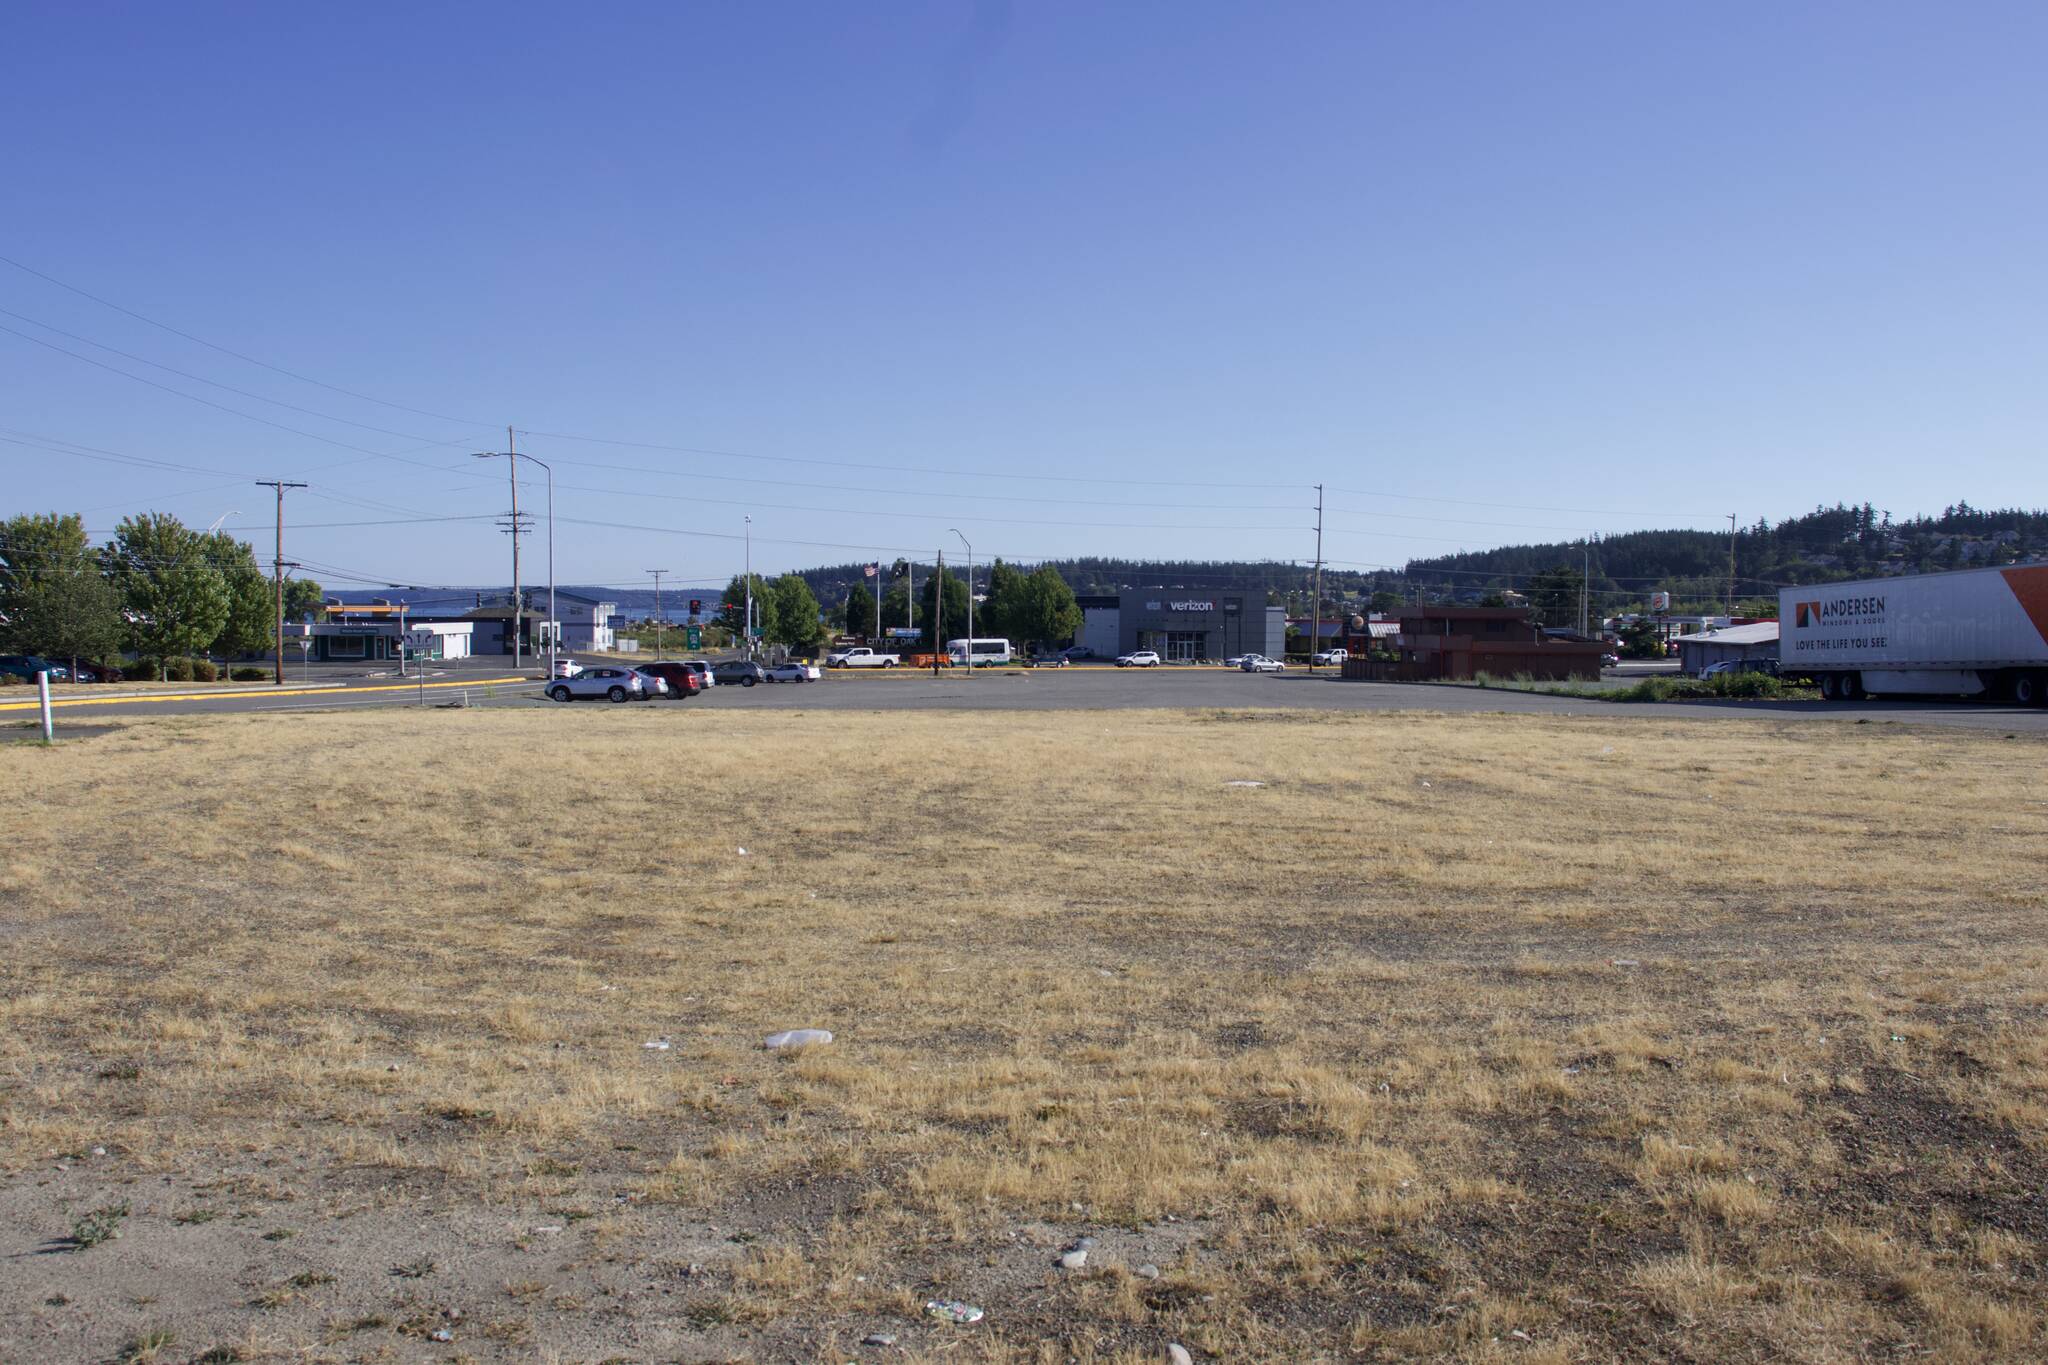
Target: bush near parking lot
(1735,686)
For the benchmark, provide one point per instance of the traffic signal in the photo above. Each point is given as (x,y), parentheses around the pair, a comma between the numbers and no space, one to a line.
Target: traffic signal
(696,606)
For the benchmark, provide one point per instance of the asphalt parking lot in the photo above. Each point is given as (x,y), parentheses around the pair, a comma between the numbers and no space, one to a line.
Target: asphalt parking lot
(1081,688)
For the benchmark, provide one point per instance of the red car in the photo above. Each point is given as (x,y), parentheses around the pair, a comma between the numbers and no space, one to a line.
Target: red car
(682,683)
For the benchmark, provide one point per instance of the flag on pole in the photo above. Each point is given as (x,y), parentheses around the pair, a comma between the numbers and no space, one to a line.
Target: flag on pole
(872,570)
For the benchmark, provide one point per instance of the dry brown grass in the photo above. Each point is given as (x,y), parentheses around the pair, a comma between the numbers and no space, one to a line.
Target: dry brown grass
(1477,1037)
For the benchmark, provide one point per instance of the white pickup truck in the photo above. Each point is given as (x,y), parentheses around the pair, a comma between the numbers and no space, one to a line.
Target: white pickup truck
(861,657)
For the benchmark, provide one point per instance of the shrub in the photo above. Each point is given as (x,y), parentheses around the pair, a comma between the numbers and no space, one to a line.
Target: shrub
(203,670)
(177,670)
(248,675)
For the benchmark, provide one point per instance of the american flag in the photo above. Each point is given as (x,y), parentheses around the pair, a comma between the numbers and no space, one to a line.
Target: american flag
(872,570)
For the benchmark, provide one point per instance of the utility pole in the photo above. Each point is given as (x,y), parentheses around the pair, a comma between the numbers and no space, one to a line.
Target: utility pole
(909,593)
(513,457)
(277,567)
(938,612)
(1315,629)
(512,468)
(747,650)
(1731,567)
(657,607)
(1585,578)
(878,604)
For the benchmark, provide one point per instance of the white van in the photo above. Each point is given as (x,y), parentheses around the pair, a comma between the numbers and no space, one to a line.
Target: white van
(986,653)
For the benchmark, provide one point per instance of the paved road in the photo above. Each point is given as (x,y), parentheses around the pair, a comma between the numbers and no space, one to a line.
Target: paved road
(1045,689)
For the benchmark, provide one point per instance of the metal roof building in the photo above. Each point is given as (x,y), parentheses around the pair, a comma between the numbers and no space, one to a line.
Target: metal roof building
(1758,641)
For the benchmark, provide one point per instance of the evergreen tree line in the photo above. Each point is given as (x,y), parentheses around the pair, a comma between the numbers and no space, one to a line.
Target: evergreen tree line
(158,590)
(1825,545)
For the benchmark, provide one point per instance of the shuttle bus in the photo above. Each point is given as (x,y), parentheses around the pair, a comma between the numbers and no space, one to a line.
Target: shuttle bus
(978,653)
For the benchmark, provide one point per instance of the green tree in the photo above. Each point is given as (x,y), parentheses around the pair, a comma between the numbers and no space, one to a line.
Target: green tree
(53,598)
(251,627)
(1554,595)
(993,618)
(955,621)
(302,596)
(1640,639)
(859,616)
(796,617)
(733,611)
(1042,610)
(1384,601)
(175,599)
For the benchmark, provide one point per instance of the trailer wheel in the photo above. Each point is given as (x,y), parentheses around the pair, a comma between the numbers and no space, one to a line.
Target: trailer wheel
(2027,689)
(1830,687)
(1852,687)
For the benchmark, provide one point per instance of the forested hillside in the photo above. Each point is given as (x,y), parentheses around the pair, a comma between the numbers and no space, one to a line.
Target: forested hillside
(1826,543)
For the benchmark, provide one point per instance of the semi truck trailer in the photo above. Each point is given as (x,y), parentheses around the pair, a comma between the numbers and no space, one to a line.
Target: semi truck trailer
(1970,633)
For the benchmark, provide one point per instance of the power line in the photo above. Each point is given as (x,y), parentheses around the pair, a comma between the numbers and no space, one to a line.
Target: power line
(202,379)
(887,468)
(246,359)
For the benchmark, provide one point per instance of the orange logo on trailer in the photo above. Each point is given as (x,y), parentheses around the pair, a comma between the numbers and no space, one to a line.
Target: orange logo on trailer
(1805,614)
(2030,586)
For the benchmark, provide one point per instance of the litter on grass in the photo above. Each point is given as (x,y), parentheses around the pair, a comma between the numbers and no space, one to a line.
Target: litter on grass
(952,1310)
(1243,782)
(797,1037)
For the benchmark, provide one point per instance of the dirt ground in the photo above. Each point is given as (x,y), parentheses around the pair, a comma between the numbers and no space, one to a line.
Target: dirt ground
(1373,1037)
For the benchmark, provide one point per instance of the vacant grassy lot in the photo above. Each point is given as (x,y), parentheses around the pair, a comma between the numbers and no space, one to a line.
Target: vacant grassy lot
(1490,1038)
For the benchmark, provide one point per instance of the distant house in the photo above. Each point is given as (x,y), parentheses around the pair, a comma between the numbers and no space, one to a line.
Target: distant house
(1440,642)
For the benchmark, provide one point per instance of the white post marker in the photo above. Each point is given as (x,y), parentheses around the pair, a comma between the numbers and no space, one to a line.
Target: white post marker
(43,696)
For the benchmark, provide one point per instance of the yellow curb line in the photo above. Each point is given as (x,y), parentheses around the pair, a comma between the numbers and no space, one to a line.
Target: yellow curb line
(327,691)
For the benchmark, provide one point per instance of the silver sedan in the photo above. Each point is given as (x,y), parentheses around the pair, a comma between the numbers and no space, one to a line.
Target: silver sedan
(611,683)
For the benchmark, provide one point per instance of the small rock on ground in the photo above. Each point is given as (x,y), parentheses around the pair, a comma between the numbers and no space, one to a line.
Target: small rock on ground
(1073,1260)
(879,1339)
(1147,1271)
(1178,1354)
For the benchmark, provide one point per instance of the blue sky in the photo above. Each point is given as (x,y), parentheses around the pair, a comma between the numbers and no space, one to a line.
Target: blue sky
(1164,265)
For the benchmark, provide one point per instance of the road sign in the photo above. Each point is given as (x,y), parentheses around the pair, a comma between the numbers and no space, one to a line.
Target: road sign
(695,636)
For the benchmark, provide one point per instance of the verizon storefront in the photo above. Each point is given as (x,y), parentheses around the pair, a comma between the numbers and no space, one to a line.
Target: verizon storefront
(1185,627)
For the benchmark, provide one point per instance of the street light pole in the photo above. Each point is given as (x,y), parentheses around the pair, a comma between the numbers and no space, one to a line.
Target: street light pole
(970,599)
(554,625)
(748,648)
(657,607)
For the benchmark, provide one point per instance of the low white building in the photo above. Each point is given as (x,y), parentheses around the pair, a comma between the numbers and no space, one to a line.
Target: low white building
(350,641)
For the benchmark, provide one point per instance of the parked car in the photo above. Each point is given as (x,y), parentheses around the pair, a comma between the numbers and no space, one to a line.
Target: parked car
(794,671)
(100,673)
(1144,658)
(702,668)
(743,672)
(1765,666)
(1259,663)
(28,665)
(1236,661)
(652,684)
(614,684)
(1046,661)
(1077,652)
(1610,660)
(677,680)
(567,668)
(1329,656)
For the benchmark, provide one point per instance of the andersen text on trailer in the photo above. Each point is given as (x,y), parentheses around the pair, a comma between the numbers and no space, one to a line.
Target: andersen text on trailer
(1972,633)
